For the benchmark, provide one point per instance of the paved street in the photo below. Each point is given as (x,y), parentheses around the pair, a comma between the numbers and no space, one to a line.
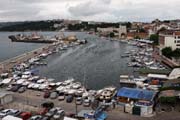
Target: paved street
(35,98)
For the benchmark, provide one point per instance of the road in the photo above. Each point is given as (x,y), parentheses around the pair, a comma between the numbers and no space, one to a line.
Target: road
(35,99)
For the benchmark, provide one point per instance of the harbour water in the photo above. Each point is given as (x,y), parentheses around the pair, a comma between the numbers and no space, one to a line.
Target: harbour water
(96,64)
(10,49)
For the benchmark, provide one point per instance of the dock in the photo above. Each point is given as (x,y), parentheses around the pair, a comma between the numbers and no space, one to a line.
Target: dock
(165,60)
(6,65)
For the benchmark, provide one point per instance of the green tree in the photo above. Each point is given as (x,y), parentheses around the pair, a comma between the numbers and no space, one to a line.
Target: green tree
(155,38)
(111,35)
(176,53)
(137,37)
(142,30)
(167,51)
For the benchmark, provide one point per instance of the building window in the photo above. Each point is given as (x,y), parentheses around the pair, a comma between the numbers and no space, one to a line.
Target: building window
(178,45)
(178,37)
(175,41)
(178,41)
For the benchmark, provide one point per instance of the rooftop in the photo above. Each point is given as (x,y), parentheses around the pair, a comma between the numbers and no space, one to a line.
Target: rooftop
(135,93)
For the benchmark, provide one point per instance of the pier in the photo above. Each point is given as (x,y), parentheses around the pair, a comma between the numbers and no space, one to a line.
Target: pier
(165,60)
(6,65)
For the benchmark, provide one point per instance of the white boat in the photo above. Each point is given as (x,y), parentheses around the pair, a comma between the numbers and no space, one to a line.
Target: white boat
(36,86)
(43,86)
(60,88)
(41,81)
(52,84)
(108,93)
(149,63)
(126,79)
(26,83)
(20,81)
(76,85)
(30,85)
(35,59)
(7,80)
(58,83)
(33,78)
(71,92)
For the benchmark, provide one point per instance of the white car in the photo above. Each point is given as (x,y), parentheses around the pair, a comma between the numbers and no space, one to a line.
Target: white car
(86,102)
(59,114)
(79,100)
(5,112)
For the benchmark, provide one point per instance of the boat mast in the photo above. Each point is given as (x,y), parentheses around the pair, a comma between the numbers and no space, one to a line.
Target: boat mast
(84,80)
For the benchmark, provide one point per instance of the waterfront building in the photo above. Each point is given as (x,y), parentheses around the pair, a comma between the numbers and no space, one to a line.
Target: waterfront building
(122,31)
(169,39)
(132,35)
(137,101)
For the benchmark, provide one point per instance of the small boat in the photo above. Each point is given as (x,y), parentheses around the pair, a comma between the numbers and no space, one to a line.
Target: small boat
(123,56)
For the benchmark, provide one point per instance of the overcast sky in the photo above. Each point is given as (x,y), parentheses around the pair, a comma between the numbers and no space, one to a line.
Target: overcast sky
(91,10)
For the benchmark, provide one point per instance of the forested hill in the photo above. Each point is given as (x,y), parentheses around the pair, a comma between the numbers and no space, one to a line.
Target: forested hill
(29,26)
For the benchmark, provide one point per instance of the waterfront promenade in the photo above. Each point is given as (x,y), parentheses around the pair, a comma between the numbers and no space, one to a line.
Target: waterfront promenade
(6,65)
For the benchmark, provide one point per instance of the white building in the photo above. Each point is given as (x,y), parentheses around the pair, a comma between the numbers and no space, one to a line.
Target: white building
(121,31)
(170,40)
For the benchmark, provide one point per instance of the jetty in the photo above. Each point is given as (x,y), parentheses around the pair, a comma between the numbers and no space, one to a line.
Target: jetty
(6,65)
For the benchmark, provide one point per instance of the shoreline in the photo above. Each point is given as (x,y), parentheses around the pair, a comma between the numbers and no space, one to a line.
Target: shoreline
(7,64)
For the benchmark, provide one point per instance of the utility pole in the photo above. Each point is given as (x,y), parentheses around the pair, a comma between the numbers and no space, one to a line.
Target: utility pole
(76,108)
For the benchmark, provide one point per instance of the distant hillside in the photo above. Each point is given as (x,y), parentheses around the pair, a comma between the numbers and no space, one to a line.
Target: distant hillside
(29,26)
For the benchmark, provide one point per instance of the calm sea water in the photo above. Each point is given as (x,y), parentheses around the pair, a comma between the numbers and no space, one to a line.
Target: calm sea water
(96,64)
(10,49)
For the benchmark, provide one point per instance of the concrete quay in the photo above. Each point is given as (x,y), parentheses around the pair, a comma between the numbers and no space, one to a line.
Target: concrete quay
(6,65)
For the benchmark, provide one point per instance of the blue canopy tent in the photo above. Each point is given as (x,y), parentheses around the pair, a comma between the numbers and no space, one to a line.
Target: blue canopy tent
(134,93)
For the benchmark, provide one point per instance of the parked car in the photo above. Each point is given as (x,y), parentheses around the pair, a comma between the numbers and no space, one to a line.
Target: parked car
(53,95)
(9,88)
(86,102)
(25,115)
(22,89)
(48,105)
(61,96)
(69,99)
(45,118)
(15,113)
(15,88)
(5,112)
(51,112)
(59,114)
(79,100)
(36,117)
(46,94)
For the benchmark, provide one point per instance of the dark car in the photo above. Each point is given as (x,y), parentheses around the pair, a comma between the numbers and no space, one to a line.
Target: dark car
(48,105)
(69,98)
(15,88)
(22,89)
(46,94)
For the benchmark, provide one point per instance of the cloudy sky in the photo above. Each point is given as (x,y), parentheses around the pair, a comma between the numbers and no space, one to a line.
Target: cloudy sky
(91,10)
